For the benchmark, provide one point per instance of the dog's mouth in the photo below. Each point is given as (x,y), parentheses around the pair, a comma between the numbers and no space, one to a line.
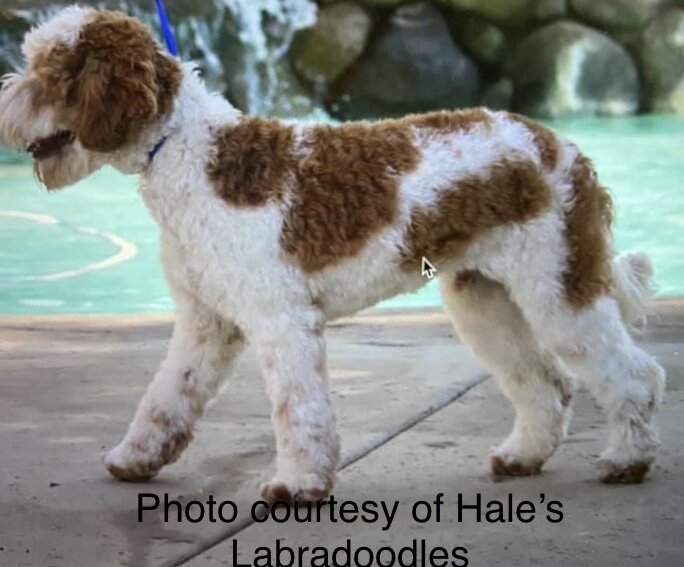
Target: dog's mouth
(51,145)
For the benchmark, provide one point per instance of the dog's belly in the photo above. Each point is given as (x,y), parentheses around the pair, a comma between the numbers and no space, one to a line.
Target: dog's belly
(362,281)
(339,300)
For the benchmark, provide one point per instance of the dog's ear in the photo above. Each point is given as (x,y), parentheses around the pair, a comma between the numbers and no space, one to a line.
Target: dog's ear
(124,81)
(111,106)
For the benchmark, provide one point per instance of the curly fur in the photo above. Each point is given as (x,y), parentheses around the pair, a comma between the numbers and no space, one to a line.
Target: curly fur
(269,230)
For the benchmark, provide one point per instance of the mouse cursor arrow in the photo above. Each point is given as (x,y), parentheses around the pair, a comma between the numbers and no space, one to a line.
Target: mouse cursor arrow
(427,269)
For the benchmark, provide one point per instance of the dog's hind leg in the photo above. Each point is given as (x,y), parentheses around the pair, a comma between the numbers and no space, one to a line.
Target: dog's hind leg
(593,341)
(202,349)
(292,358)
(534,380)
(626,381)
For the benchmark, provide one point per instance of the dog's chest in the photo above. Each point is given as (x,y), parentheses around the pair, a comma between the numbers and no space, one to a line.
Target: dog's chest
(228,258)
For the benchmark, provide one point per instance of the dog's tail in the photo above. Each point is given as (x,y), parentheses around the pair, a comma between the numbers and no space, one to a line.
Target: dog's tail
(633,285)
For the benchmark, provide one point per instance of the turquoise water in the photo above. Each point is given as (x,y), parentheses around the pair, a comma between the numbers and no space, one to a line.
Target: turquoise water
(94,249)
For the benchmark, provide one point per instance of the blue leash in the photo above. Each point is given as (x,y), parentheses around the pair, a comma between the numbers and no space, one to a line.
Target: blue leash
(170,41)
(166,29)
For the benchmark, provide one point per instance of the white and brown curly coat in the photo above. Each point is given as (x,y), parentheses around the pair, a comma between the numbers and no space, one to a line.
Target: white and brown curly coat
(269,230)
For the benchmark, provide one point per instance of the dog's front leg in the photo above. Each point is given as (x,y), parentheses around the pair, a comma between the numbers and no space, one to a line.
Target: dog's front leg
(202,349)
(294,367)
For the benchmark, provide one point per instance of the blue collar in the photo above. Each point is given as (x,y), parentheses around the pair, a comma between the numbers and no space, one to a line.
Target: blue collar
(155,150)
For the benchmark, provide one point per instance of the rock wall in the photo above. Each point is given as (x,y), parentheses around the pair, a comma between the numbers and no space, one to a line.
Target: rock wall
(545,58)
(372,58)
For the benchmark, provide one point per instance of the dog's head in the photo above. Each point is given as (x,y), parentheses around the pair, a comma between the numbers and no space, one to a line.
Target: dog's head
(93,82)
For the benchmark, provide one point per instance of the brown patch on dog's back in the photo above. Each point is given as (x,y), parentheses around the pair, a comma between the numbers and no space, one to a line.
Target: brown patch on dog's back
(449,122)
(347,190)
(341,182)
(510,191)
(545,140)
(588,274)
(252,162)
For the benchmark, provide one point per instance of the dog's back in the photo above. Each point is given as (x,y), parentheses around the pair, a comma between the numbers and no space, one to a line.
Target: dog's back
(363,203)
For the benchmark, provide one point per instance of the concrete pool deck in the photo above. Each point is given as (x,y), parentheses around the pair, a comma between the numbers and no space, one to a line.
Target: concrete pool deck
(417,417)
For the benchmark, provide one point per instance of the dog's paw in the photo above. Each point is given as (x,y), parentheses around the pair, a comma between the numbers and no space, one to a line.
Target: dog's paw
(623,473)
(312,488)
(125,463)
(502,466)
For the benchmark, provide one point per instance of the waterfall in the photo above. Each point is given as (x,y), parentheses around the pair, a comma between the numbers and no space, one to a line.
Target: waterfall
(266,28)
(239,45)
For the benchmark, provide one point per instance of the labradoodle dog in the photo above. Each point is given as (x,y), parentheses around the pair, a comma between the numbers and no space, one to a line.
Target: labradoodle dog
(269,230)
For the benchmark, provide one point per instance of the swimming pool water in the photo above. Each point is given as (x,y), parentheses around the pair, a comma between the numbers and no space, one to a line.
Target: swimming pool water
(93,248)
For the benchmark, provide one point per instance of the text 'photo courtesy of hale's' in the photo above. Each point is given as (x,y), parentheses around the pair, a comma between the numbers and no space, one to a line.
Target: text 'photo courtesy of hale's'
(379,253)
